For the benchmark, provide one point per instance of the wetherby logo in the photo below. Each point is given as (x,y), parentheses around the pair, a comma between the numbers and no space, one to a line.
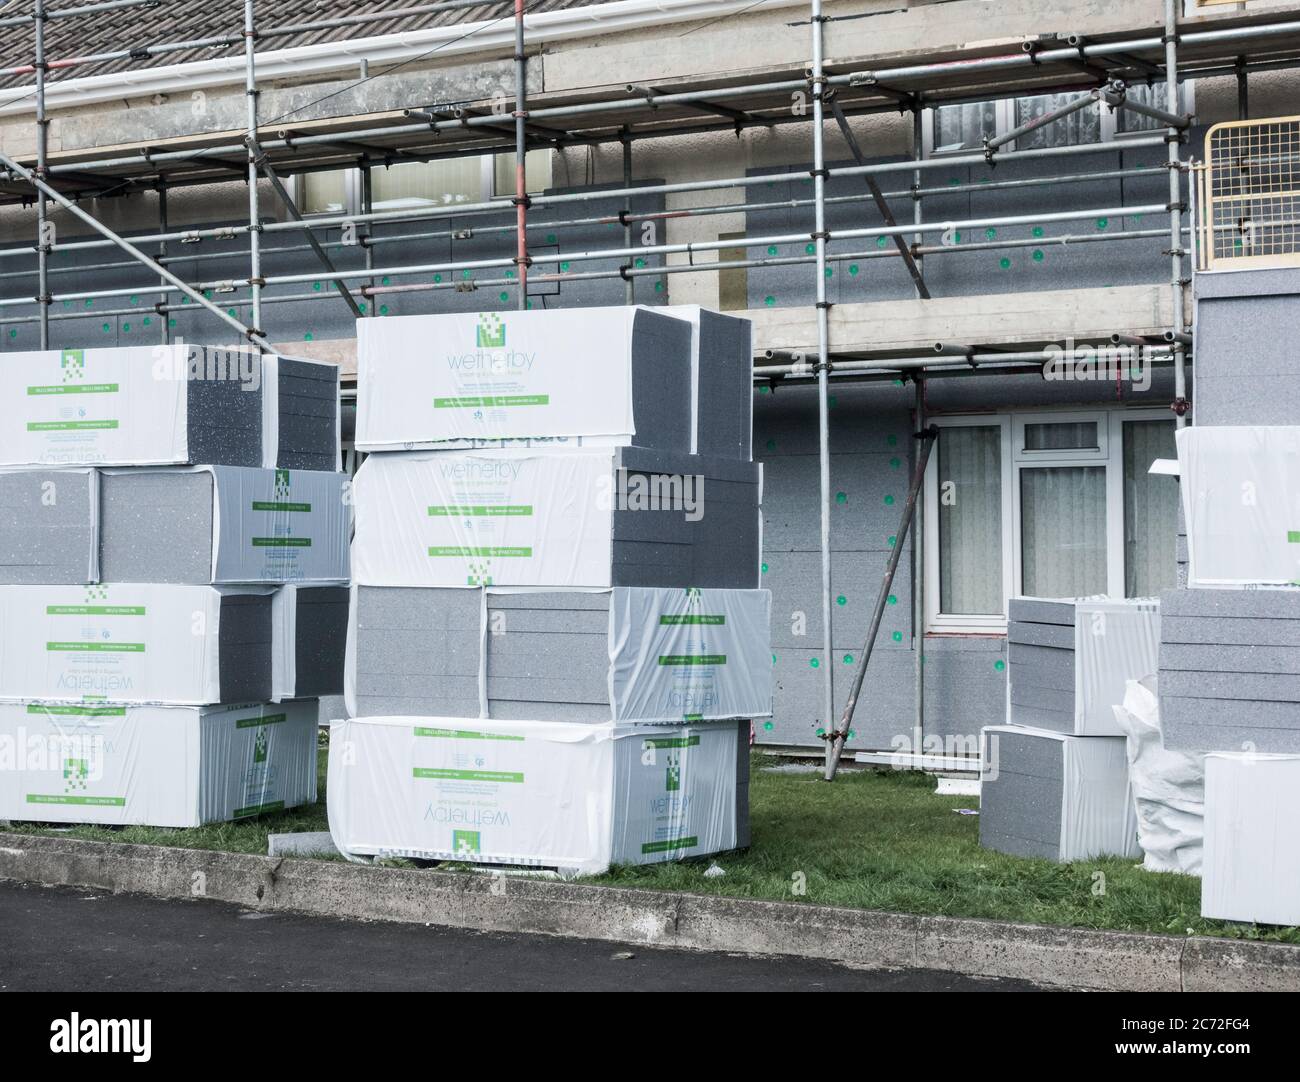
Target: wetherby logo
(105,1035)
(490,354)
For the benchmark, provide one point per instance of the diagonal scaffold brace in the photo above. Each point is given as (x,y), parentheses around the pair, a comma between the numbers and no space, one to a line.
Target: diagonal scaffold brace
(837,738)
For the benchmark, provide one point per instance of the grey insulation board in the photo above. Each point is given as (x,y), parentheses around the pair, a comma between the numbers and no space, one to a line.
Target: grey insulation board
(156,526)
(661,381)
(1234,686)
(1192,736)
(48,527)
(223,415)
(244,648)
(725,386)
(1021,792)
(1059,636)
(308,403)
(795,581)
(532,710)
(1243,660)
(321,631)
(1047,698)
(1240,604)
(1228,631)
(1040,717)
(1042,665)
(1041,611)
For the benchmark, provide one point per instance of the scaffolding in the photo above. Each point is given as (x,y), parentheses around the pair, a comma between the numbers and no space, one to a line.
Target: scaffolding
(271,149)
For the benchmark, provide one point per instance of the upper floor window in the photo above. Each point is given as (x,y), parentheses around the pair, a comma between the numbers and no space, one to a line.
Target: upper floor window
(446,182)
(961,129)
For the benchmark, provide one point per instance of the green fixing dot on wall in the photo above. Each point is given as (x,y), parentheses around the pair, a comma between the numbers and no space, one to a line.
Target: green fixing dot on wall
(897,636)
(895,462)
(384,280)
(1038,230)
(147,321)
(990,233)
(809,249)
(771,249)
(853,733)
(999,665)
(564,267)
(550,238)
(831,402)
(528,305)
(1038,256)
(510,274)
(659,287)
(13,333)
(892,440)
(892,540)
(362,306)
(208,293)
(315,285)
(821,732)
(1102,223)
(765,389)
(90,303)
(830,271)
(773,659)
(848,659)
(841,600)
(953,182)
(853,270)
(956,238)
(171,323)
(881,242)
(841,497)
(893,599)
(106,327)
(437,278)
(769,301)
(134,300)
(503,296)
(813,663)
(309,337)
(230,311)
(67,304)
(767,726)
(771,445)
(1137,219)
(639,261)
(126,328)
(383,309)
(889,501)
(1004,263)
(465,274)
(763,568)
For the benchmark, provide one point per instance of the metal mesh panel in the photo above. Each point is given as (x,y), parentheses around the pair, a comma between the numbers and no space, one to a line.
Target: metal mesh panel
(1250,195)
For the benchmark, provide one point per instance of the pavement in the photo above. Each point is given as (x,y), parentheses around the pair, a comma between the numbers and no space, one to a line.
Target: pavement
(70,938)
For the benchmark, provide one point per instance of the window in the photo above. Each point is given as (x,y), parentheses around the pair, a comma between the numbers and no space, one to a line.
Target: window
(1049,505)
(960,129)
(443,183)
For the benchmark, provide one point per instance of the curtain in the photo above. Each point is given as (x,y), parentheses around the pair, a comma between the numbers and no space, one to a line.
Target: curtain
(1150,510)
(970,520)
(444,183)
(1063,531)
(963,127)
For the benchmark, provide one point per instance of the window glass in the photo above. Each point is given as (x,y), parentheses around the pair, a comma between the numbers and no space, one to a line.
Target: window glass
(963,127)
(422,184)
(1061,436)
(970,520)
(1063,531)
(1150,510)
(1127,120)
(325,193)
(1081,126)
(537,172)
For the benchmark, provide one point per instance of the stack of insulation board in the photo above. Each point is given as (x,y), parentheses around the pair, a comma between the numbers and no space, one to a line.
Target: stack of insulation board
(1055,779)
(1230,644)
(173,582)
(557,643)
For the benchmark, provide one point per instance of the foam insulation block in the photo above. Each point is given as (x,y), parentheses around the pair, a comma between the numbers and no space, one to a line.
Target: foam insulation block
(49,527)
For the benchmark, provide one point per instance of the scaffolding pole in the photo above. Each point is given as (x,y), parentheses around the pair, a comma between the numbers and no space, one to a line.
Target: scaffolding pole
(255,281)
(522,261)
(1174,137)
(42,165)
(817,91)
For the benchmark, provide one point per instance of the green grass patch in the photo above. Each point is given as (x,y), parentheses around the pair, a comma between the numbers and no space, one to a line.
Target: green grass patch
(871,840)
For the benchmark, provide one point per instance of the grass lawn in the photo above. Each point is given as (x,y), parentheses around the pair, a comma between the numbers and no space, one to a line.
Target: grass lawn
(871,840)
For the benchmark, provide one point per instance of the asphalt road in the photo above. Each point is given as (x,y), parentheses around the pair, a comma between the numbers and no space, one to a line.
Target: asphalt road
(65,939)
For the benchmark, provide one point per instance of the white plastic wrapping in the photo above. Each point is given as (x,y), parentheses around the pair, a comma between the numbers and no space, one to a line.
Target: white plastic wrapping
(276,525)
(1241,500)
(154,765)
(690,655)
(1168,786)
(115,406)
(460,379)
(570,797)
(131,642)
(510,517)
(1115,641)
(1251,870)
(1098,815)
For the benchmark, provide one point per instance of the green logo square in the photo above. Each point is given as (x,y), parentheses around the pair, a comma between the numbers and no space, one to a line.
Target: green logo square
(466,843)
(491,331)
(261,742)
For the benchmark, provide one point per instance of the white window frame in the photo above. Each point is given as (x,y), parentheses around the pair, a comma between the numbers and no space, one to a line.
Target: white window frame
(1109,454)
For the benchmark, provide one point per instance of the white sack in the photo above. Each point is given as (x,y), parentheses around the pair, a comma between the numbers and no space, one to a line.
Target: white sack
(1168,786)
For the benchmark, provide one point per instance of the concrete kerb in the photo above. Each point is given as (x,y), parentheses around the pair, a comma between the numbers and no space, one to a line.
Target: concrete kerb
(1066,957)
